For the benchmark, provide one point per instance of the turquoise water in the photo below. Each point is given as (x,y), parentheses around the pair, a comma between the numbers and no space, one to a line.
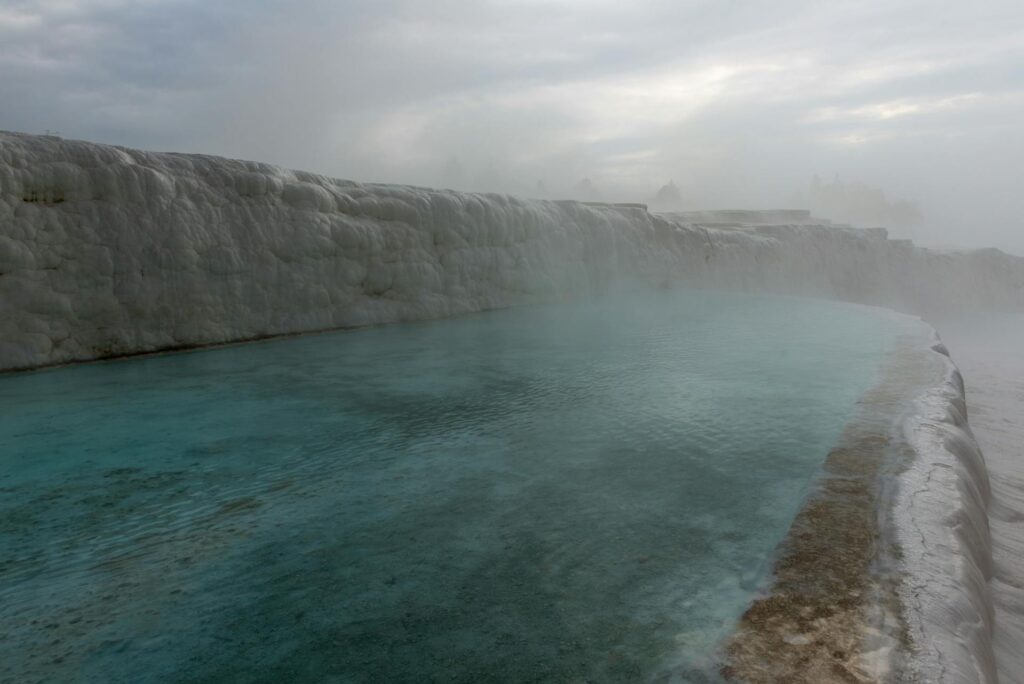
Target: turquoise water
(573,493)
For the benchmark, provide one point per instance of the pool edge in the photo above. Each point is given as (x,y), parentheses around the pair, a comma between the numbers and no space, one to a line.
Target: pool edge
(856,593)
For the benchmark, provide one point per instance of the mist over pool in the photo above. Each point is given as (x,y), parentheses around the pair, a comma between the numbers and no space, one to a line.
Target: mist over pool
(570,491)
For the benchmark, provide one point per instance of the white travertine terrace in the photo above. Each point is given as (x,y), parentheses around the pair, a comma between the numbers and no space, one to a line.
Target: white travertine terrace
(942,527)
(106,251)
(987,348)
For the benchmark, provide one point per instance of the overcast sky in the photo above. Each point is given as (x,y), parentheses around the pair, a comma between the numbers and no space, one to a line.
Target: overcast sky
(741,103)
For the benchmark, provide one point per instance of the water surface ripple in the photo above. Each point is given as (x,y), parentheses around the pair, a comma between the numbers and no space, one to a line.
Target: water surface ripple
(585,492)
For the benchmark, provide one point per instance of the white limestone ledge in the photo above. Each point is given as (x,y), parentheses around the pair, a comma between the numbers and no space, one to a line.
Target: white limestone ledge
(106,251)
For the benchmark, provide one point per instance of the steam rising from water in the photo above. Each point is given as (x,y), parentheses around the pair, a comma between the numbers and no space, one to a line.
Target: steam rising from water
(538,494)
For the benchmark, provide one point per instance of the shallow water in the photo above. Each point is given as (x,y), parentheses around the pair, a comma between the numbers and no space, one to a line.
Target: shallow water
(585,492)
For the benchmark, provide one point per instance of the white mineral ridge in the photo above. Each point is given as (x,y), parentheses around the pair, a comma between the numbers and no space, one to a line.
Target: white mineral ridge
(988,349)
(941,517)
(107,251)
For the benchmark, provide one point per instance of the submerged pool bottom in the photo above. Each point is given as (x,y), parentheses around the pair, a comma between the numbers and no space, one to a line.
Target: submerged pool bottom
(565,493)
(835,609)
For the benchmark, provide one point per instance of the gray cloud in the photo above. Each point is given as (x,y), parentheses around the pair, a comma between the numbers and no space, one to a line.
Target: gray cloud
(740,102)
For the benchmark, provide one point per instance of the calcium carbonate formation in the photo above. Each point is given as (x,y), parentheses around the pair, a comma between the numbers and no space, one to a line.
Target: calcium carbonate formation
(941,520)
(107,251)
